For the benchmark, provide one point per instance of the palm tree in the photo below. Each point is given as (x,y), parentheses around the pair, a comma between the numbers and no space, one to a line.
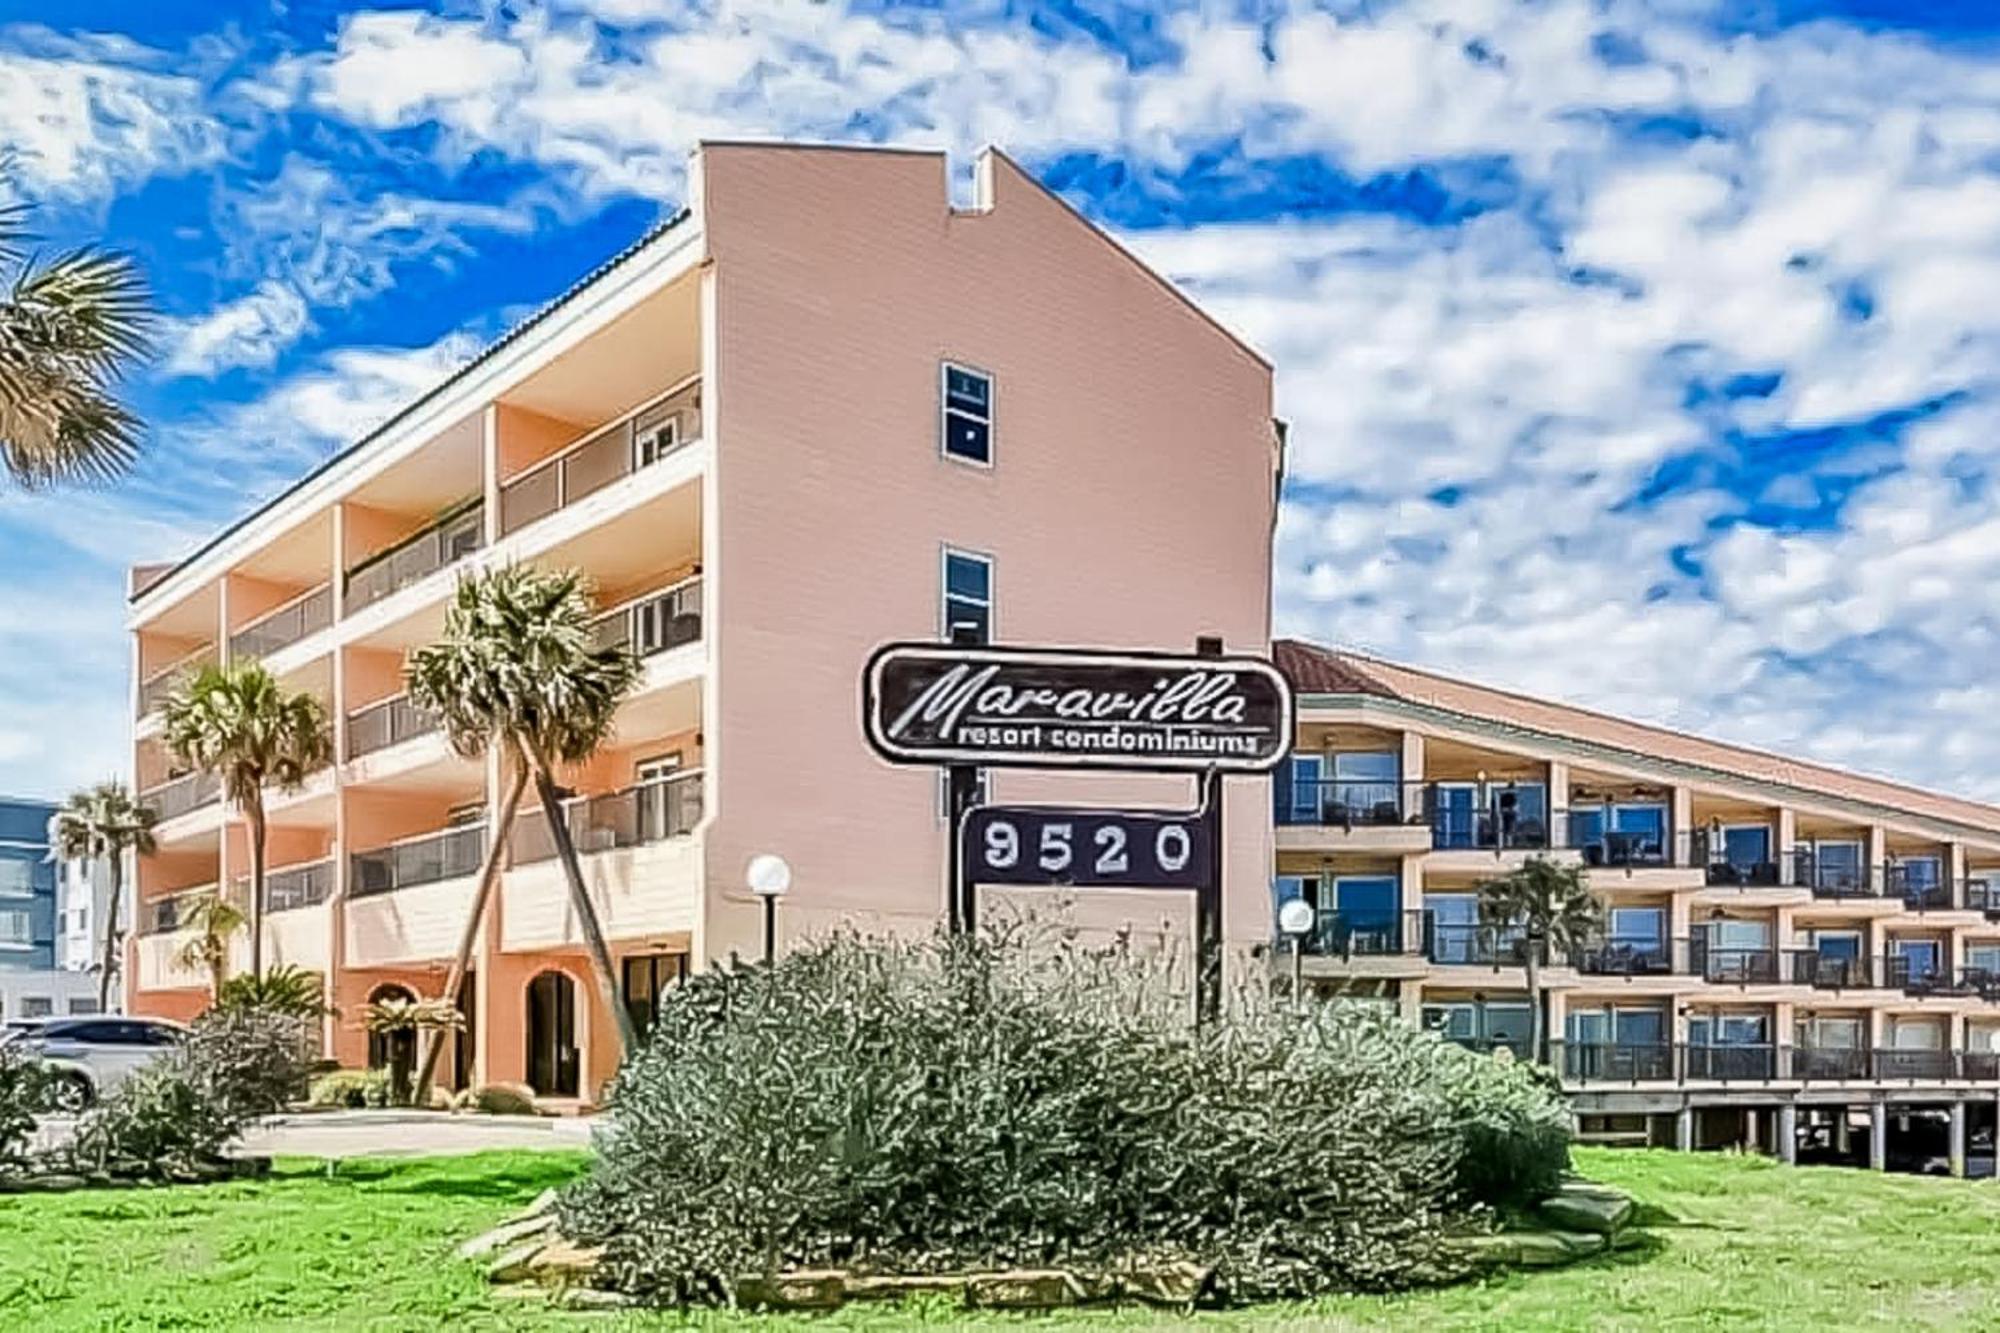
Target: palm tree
(238,723)
(103,823)
(69,329)
(1553,909)
(519,666)
(426,1019)
(214,919)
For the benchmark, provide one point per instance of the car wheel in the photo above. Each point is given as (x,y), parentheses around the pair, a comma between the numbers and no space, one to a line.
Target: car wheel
(71,1094)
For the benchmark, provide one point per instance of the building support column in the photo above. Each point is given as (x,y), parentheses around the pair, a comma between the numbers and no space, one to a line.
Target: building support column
(1788,1134)
(1958,1139)
(1878,1136)
(1752,1138)
(1684,1129)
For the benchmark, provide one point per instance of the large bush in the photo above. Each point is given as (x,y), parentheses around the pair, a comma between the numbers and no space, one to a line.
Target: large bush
(24,1094)
(238,1064)
(927,1106)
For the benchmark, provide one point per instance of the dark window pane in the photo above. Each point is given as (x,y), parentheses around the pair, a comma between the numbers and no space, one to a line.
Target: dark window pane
(965,437)
(966,577)
(961,614)
(967,391)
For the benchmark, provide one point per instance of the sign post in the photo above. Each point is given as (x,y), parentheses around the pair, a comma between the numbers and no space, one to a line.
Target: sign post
(964,707)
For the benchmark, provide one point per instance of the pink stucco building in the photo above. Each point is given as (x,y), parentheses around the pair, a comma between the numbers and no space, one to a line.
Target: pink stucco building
(822,409)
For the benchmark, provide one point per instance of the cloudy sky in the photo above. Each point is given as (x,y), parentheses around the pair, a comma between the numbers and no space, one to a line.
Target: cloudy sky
(1645,355)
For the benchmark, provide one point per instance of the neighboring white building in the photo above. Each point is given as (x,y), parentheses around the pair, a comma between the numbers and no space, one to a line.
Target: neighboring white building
(83,896)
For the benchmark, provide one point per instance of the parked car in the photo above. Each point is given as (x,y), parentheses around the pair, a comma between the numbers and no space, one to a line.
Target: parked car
(90,1057)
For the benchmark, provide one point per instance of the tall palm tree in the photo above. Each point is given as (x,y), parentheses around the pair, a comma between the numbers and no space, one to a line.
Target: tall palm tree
(70,327)
(238,723)
(103,823)
(1555,913)
(519,666)
(214,919)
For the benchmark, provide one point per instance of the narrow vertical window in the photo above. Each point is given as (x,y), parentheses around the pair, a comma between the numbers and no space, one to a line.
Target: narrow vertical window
(967,426)
(968,596)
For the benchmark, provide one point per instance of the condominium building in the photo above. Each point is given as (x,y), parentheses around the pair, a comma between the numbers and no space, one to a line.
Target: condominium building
(1793,957)
(32,983)
(821,409)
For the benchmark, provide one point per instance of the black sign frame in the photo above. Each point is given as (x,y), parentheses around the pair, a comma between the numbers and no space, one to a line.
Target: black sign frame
(1275,729)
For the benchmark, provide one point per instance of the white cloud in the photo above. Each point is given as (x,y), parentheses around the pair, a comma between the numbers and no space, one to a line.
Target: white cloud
(85,116)
(249,331)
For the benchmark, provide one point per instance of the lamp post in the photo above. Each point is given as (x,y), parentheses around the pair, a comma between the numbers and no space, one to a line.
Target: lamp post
(1295,918)
(769,877)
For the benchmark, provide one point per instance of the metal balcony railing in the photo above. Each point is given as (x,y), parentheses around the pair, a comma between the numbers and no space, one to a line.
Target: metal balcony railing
(1614,1062)
(288,887)
(163,916)
(1347,803)
(1826,971)
(1637,956)
(650,812)
(1474,944)
(284,626)
(1362,934)
(1502,820)
(648,436)
(182,795)
(429,859)
(153,690)
(654,623)
(388,722)
(450,539)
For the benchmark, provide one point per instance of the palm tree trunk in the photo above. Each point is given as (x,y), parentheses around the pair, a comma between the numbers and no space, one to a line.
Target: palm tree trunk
(1534,1006)
(489,875)
(586,911)
(254,808)
(116,859)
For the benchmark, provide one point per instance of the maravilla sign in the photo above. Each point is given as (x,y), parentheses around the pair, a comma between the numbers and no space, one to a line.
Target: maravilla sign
(930,703)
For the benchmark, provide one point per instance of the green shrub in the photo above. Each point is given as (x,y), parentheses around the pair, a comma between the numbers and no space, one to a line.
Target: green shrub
(236,1065)
(1513,1125)
(350,1088)
(928,1106)
(498,1099)
(283,989)
(24,1093)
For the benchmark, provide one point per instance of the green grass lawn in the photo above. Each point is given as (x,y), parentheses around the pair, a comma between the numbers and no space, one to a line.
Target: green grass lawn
(1742,1243)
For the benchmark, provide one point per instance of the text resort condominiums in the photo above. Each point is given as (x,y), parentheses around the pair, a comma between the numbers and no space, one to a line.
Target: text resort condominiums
(820,410)
(1793,957)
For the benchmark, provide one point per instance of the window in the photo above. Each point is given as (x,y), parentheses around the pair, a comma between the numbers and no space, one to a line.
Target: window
(1364,786)
(37,1006)
(1837,865)
(17,878)
(84,1006)
(967,428)
(1296,790)
(647,978)
(1983,958)
(655,434)
(968,595)
(1746,846)
(1638,927)
(16,927)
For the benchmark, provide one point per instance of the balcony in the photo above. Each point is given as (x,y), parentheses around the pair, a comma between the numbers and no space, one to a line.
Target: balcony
(182,795)
(1643,956)
(153,690)
(295,886)
(1494,825)
(389,722)
(163,916)
(641,440)
(457,534)
(286,625)
(1362,934)
(648,813)
(1603,1062)
(1835,881)
(1824,971)
(654,623)
(1585,1063)
(430,858)
(1462,945)
(1342,803)
(1982,894)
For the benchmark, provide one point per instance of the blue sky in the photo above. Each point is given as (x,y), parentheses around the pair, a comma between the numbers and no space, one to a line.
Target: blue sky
(1646,355)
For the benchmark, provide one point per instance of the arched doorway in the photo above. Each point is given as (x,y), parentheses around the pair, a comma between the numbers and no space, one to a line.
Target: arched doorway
(392,1050)
(553,1060)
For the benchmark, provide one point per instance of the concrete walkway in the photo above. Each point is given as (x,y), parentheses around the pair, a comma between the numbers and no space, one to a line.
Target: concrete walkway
(389,1133)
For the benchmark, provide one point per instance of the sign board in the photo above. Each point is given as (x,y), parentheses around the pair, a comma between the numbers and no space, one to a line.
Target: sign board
(930,703)
(1091,849)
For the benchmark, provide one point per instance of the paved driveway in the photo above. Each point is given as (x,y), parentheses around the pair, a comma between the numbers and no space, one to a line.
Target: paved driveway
(334,1134)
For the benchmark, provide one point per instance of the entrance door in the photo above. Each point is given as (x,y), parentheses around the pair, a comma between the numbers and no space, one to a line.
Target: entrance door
(552,1055)
(1455,820)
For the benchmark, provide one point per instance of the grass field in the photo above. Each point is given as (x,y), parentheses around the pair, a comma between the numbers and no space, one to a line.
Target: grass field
(1741,1244)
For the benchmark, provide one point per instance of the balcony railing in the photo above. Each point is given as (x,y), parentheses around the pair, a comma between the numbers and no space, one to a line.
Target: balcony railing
(615,452)
(163,916)
(289,887)
(655,622)
(285,626)
(1825,971)
(650,812)
(1346,803)
(1640,956)
(1475,945)
(153,690)
(1495,823)
(182,795)
(451,538)
(1517,1046)
(1982,894)
(1583,1062)
(1836,880)
(429,859)
(1362,934)
(389,722)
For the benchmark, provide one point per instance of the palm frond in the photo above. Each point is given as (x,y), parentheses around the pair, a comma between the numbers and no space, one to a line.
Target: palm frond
(240,724)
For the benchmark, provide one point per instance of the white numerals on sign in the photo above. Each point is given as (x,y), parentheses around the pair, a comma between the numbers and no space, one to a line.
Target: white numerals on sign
(1055,848)
(1172,848)
(1111,858)
(1003,845)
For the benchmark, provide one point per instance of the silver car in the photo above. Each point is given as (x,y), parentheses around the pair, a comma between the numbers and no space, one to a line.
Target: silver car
(90,1057)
